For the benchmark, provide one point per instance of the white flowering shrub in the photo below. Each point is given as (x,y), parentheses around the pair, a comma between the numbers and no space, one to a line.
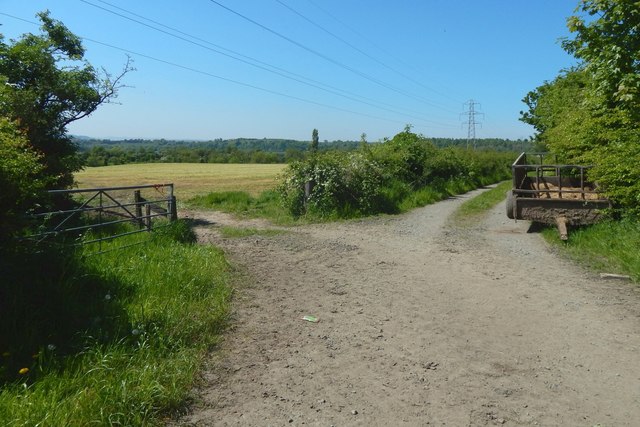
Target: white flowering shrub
(340,184)
(380,178)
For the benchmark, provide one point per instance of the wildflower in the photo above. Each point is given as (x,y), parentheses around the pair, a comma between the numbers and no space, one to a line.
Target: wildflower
(107,297)
(136,332)
(51,347)
(23,371)
(6,354)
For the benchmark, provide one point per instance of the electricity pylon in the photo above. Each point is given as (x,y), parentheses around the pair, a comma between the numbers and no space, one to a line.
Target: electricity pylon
(471,114)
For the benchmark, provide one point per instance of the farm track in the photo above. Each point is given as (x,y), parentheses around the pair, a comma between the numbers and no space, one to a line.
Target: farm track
(421,322)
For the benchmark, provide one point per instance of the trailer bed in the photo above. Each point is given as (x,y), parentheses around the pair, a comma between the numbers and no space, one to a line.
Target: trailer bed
(557,194)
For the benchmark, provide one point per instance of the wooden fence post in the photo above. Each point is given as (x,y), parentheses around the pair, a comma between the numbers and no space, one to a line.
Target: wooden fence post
(138,201)
(173,210)
(308,188)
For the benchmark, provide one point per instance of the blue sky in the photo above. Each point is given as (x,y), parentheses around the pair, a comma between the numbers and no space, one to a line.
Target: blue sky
(369,66)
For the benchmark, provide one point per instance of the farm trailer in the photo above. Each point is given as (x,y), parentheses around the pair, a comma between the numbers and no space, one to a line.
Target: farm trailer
(553,194)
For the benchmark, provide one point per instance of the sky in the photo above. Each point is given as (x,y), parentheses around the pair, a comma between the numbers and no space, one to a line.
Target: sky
(207,69)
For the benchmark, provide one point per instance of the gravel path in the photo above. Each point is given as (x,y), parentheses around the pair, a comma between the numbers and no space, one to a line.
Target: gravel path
(421,322)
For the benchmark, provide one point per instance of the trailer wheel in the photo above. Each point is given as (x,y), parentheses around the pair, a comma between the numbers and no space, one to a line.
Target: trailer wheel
(510,204)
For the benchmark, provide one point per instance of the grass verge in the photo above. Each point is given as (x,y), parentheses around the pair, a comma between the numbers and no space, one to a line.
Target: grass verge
(110,339)
(472,209)
(608,247)
(266,205)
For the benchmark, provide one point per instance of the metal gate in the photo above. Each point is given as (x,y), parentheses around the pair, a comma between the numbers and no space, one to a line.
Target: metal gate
(96,210)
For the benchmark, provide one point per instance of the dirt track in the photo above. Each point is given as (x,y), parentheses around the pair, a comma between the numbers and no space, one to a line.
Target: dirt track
(421,323)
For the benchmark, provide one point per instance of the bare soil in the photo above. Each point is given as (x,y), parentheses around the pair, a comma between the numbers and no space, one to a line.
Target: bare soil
(421,322)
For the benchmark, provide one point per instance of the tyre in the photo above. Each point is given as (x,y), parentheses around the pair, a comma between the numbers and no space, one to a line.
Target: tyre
(510,204)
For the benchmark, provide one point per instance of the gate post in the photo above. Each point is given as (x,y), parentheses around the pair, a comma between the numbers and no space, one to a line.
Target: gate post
(173,210)
(138,201)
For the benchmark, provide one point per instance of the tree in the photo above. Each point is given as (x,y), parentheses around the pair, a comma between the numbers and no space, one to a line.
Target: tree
(591,114)
(610,48)
(363,140)
(406,157)
(314,141)
(20,178)
(46,84)
(559,113)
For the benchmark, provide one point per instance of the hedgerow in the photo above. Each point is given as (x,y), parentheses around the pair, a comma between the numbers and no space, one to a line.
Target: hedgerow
(388,177)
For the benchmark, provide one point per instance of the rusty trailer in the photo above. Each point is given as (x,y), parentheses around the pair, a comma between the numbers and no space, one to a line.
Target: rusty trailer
(556,194)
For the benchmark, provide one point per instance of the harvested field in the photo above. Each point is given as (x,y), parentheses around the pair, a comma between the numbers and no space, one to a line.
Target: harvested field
(190,179)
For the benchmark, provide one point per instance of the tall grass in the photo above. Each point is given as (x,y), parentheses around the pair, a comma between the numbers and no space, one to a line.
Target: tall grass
(108,339)
(610,246)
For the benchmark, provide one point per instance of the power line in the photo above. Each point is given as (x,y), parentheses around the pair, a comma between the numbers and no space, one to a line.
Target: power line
(357,49)
(471,122)
(273,69)
(400,60)
(226,79)
(325,57)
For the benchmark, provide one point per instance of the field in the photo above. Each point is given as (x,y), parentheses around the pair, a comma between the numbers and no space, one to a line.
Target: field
(190,179)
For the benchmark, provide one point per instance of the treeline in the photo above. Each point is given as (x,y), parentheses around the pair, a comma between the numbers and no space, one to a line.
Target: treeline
(590,114)
(493,144)
(95,152)
(244,144)
(107,156)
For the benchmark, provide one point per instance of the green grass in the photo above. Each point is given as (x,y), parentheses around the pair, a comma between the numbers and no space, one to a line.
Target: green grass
(108,339)
(474,208)
(422,197)
(608,247)
(266,205)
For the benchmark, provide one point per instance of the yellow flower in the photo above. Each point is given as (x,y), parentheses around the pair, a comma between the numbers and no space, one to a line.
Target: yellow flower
(6,354)
(23,371)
